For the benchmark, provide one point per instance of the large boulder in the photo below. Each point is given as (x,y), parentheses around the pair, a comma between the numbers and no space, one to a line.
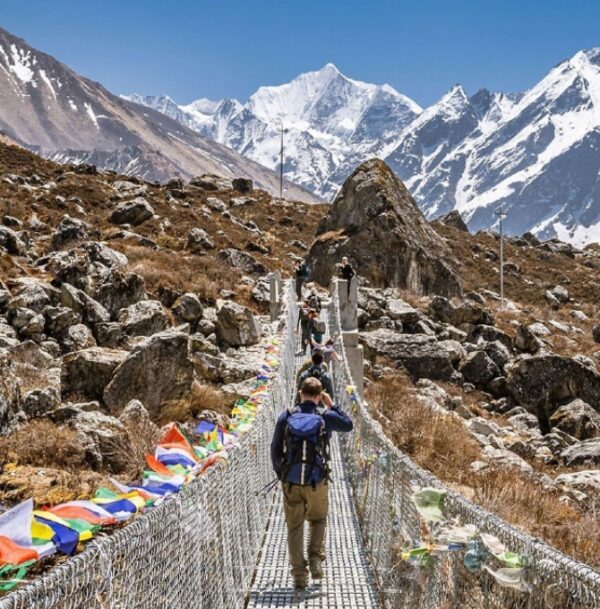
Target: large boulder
(541,383)
(478,368)
(237,326)
(419,354)
(134,212)
(157,371)
(376,223)
(70,230)
(119,290)
(32,294)
(467,312)
(88,372)
(188,308)
(143,318)
(578,419)
(243,261)
(90,310)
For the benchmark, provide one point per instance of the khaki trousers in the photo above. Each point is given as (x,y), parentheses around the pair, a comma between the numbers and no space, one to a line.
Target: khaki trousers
(302,503)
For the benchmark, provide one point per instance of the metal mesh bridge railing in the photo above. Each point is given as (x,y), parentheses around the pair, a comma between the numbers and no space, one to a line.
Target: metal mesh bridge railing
(383,480)
(195,551)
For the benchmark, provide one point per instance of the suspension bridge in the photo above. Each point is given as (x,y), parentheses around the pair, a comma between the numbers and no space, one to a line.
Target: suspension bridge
(220,543)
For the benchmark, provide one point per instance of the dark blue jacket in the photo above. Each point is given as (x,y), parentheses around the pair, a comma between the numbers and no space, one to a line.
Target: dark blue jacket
(335,420)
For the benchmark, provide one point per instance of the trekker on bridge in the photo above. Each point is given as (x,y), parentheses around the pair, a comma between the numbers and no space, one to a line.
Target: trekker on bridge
(301,275)
(300,454)
(315,368)
(347,272)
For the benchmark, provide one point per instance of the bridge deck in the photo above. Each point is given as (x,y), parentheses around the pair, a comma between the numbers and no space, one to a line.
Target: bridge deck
(348,581)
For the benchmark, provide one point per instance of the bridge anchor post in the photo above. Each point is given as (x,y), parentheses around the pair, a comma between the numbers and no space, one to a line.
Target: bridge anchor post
(275,294)
(348,301)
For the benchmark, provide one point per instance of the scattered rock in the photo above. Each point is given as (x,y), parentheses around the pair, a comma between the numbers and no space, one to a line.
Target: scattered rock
(478,368)
(468,312)
(133,212)
(578,419)
(243,261)
(90,310)
(188,308)
(11,242)
(71,230)
(198,241)
(120,290)
(143,318)
(584,453)
(242,184)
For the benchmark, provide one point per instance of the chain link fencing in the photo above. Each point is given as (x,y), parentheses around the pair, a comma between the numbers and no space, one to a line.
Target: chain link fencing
(198,549)
(383,480)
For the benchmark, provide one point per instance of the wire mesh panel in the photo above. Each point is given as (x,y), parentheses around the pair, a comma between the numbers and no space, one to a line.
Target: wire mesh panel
(195,551)
(383,480)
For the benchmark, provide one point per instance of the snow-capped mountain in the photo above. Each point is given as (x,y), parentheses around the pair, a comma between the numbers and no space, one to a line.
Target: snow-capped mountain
(537,153)
(47,107)
(332,123)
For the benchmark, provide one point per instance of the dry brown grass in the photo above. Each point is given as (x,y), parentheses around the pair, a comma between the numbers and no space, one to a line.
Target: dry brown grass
(41,443)
(441,444)
(205,397)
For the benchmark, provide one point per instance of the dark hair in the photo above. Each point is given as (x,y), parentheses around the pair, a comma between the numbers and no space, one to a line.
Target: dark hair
(317,358)
(330,341)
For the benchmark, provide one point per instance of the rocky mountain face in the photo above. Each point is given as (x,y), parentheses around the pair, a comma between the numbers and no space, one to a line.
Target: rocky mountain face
(375,222)
(333,123)
(534,152)
(51,109)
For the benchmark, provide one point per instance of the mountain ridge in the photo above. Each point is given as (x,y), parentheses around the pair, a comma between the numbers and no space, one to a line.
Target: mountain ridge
(534,152)
(48,107)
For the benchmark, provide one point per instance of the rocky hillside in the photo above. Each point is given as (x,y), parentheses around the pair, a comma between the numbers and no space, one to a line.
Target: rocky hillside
(124,304)
(48,107)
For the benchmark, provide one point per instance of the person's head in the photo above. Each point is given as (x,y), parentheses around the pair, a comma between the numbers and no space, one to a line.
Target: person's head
(313,314)
(344,260)
(297,264)
(329,342)
(311,390)
(317,358)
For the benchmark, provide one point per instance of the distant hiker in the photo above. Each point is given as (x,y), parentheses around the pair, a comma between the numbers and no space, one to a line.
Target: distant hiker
(314,302)
(329,353)
(316,370)
(304,325)
(347,272)
(301,274)
(300,457)
(316,326)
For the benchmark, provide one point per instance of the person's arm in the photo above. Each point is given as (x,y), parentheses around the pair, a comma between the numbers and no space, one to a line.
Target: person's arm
(327,384)
(335,419)
(277,443)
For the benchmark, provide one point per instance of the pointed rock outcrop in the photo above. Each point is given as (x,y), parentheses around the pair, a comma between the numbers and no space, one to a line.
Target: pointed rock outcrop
(376,223)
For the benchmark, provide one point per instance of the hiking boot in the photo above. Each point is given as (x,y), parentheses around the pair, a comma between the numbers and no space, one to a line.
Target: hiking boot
(300,583)
(316,568)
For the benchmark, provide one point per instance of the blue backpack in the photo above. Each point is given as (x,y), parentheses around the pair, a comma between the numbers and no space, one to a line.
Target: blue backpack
(305,449)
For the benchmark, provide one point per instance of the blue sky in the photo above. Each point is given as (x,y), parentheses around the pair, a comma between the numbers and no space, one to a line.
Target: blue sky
(227,48)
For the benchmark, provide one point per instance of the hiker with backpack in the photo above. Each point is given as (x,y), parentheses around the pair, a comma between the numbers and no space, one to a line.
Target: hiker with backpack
(314,302)
(316,327)
(300,457)
(304,325)
(301,275)
(318,371)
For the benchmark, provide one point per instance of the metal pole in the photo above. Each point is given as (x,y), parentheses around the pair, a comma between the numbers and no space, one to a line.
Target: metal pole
(501,214)
(281,165)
